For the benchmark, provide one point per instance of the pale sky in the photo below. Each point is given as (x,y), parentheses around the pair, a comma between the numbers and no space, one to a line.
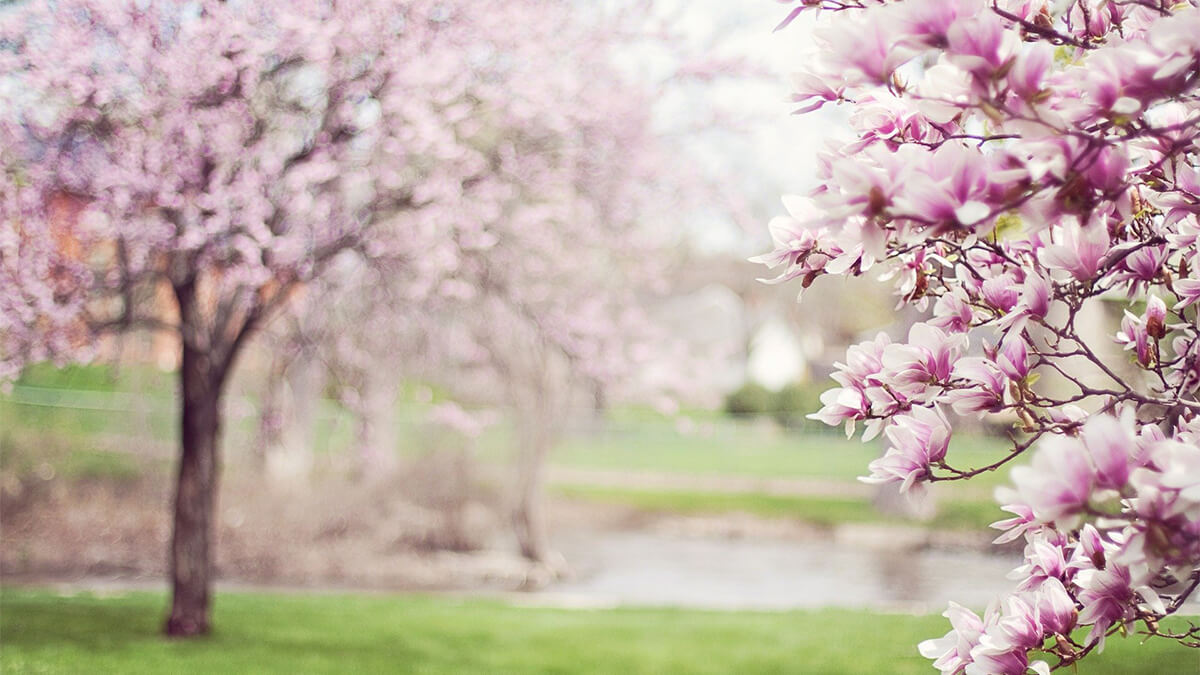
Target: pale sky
(773,153)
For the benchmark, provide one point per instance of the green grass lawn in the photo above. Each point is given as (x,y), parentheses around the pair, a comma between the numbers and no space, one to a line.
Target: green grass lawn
(78,405)
(95,422)
(973,515)
(759,450)
(270,633)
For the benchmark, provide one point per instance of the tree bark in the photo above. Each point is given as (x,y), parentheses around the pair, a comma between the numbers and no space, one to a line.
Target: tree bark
(191,563)
(529,524)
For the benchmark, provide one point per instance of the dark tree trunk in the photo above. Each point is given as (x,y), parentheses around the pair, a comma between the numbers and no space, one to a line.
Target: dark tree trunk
(191,560)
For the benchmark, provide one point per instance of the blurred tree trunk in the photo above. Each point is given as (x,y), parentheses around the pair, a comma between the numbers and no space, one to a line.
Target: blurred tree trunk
(292,403)
(376,433)
(211,334)
(529,523)
(271,416)
(195,494)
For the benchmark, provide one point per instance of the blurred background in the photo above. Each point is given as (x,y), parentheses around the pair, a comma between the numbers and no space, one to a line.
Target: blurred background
(628,431)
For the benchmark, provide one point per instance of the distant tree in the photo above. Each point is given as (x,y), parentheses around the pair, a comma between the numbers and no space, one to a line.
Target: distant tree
(232,152)
(1017,163)
(544,298)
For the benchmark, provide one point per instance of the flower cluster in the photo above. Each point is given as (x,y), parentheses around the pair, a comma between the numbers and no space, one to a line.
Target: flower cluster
(1015,167)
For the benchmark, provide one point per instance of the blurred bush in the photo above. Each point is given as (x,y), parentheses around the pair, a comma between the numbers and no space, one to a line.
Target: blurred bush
(750,400)
(795,402)
(788,406)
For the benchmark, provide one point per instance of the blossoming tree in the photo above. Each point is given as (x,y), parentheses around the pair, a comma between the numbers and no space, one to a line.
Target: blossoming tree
(543,297)
(232,152)
(1016,165)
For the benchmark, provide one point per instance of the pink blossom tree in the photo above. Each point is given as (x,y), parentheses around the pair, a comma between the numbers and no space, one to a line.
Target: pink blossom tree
(232,152)
(1016,165)
(543,298)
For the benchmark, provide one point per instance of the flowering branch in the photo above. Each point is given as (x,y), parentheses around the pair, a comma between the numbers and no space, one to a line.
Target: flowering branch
(1017,168)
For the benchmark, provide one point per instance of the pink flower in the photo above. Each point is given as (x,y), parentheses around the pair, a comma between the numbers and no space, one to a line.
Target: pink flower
(953,189)
(812,91)
(929,20)
(919,439)
(952,652)
(1156,317)
(1010,630)
(1001,292)
(1107,597)
(952,313)
(1079,252)
(872,46)
(1022,521)
(800,245)
(985,387)
(1140,268)
(1055,608)
(980,44)
(1028,70)
(1043,560)
(926,359)
(1134,336)
(1059,482)
(1111,444)
(1188,291)
(1013,357)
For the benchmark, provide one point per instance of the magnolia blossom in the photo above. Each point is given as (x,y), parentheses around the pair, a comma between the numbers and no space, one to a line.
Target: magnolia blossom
(1017,168)
(918,440)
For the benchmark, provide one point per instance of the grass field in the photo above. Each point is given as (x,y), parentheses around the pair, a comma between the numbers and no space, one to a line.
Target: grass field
(973,515)
(261,633)
(93,422)
(78,405)
(745,450)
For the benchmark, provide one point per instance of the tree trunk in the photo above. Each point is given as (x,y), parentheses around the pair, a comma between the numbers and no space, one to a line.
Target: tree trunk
(191,554)
(290,459)
(375,435)
(529,523)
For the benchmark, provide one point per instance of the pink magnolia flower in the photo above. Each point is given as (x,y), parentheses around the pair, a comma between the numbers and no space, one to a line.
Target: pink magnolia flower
(850,403)
(1133,335)
(1013,357)
(985,388)
(954,188)
(1026,76)
(1059,482)
(1156,317)
(918,439)
(952,313)
(812,91)
(1139,268)
(1010,630)
(1043,560)
(873,46)
(929,20)
(1107,596)
(1111,444)
(925,360)
(1188,291)
(1001,292)
(1022,521)
(980,44)
(1080,251)
(1055,608)
(952,652)
(801,246)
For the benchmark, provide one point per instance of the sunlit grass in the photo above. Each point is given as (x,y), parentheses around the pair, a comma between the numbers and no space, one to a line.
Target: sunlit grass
(274,633)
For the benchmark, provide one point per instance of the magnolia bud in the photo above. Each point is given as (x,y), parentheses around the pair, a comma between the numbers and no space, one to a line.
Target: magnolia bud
(1156,316)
